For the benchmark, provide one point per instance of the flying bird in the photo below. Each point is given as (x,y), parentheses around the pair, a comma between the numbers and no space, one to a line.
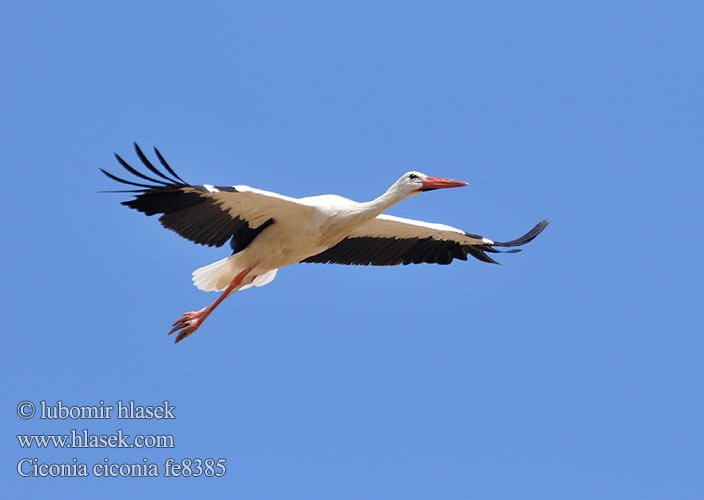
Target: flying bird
(267,231)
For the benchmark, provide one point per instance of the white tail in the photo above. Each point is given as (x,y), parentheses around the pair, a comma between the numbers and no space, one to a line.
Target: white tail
(217,276)
(262,279)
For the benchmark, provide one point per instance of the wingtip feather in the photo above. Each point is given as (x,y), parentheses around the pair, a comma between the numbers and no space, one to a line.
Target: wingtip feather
(526,238)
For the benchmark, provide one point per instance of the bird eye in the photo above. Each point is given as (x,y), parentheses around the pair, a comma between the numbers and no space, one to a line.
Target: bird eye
(413,176)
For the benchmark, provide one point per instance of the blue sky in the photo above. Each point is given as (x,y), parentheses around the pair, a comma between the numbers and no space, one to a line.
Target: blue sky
(574,371)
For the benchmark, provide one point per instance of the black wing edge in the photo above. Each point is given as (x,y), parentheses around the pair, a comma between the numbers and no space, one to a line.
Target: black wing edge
(366,251)
(526,238)
(190,213)
(173,182)
(479,251)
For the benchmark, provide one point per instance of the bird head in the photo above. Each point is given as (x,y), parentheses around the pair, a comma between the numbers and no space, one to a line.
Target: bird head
(416,182)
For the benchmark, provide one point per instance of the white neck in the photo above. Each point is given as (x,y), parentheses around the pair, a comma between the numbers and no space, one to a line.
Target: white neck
(393,195)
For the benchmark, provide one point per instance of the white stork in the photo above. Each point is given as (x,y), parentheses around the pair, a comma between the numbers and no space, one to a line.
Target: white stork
(268,231)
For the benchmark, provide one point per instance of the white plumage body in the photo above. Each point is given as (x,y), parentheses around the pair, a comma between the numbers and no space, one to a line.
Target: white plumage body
(319,223)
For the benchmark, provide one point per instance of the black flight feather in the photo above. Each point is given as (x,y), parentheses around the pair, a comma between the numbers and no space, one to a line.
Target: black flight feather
(190,211)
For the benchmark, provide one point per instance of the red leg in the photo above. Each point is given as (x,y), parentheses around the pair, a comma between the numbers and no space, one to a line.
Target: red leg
(190,321)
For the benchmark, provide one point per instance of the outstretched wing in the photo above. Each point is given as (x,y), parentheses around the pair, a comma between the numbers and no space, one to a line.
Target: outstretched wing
(205,214)
(390,241)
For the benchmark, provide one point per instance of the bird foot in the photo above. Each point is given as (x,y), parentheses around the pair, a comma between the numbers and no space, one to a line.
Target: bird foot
(188,323)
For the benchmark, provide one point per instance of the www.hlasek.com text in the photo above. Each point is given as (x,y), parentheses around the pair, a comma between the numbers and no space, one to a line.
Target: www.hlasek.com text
(85,439)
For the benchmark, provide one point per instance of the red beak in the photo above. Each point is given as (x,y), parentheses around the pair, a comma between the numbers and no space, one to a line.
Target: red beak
(430,183)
